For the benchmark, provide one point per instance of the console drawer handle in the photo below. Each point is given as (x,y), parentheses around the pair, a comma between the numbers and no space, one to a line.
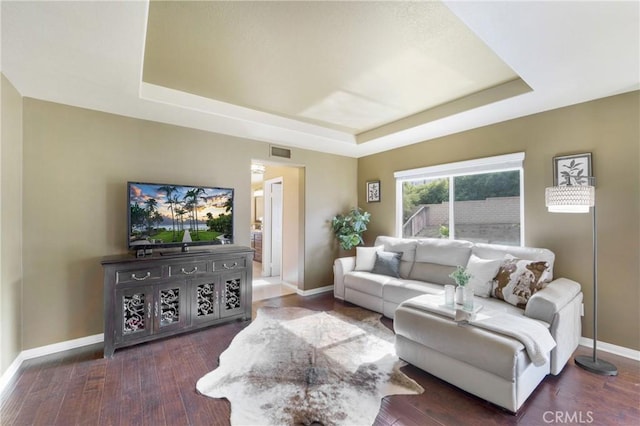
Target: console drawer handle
(230,267)
(141,279)
(193,271)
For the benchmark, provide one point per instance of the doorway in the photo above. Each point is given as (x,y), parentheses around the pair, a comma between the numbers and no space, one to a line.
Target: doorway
(277,233)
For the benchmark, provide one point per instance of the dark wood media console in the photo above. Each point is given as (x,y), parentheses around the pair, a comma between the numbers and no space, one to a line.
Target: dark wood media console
(159,296)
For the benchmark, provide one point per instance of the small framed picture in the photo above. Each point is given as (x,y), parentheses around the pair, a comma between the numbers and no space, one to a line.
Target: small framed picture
(373,191)
(572,169)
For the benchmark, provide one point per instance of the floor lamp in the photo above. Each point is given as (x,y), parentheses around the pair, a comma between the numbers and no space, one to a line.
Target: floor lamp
(580,199)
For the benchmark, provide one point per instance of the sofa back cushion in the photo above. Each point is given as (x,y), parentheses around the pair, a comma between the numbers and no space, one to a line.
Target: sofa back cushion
(432,273)
(400,245)
(443,252)
(437,258)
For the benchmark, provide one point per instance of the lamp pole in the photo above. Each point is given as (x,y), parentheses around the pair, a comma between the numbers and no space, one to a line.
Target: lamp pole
(593,364)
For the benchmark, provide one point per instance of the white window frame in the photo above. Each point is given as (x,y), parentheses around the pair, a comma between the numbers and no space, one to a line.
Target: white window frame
(499,163)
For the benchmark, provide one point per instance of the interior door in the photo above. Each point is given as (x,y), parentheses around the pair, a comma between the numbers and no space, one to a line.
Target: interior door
(276,229)
(272,228)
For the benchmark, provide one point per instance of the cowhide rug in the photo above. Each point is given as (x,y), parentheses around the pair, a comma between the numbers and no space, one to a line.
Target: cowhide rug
(297,366)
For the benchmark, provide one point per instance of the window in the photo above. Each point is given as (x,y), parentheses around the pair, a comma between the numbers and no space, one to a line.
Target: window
(487,203)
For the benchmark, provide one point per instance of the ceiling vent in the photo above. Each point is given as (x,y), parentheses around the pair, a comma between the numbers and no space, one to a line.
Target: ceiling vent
(280,152)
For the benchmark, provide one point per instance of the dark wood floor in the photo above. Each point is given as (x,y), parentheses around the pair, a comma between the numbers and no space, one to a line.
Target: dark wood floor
(154,384)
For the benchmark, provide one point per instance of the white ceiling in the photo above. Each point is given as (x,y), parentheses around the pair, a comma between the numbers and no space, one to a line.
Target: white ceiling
(91,54)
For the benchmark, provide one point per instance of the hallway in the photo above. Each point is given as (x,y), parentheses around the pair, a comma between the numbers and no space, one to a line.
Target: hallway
(268,287)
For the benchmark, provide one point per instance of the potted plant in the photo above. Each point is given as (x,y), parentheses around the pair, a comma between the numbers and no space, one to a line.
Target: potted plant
(461,276)
(349,227)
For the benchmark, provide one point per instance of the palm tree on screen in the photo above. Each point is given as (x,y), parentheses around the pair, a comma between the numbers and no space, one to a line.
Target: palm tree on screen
(195,194)
(180,212)
(189,205)
(152,206)
(170,190)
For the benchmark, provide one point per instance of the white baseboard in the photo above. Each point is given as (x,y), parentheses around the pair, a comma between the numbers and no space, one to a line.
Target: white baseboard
(313,291)
(290,285)
(46,350)
(11,371)
(612,349)
(307,292)
(62,346)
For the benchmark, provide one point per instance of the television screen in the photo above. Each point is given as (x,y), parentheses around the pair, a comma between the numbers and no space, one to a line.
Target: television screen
(162,215)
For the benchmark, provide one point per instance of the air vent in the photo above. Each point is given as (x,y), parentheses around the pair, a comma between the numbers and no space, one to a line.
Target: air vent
(280,152)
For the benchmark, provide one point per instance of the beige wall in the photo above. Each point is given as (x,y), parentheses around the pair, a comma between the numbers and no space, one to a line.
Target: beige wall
(76,165)
(327,193)
(10,224)
(609,129)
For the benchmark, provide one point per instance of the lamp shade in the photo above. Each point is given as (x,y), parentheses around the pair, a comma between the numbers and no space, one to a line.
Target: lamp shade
(570,198)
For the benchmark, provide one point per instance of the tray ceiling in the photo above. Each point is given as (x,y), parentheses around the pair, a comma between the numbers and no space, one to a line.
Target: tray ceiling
(349,66)
(351,78)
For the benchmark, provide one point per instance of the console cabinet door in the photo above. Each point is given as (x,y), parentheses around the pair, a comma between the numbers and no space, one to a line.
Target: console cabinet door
(205,297)
(170,306)
(133,313)
(232,293)
(156,297)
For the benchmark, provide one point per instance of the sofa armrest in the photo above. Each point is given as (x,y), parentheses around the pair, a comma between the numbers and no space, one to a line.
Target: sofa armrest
(546,303)
(560,305)
(341,266)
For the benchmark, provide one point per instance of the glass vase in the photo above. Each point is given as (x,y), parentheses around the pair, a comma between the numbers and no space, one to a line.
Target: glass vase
(459,295)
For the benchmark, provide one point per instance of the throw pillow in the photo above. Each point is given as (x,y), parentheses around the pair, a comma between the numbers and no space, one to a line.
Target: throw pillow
(366,257)
(482,273)
(519,279)
(387,263)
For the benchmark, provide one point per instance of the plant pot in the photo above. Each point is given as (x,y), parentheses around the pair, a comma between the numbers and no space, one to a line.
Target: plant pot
(460,295)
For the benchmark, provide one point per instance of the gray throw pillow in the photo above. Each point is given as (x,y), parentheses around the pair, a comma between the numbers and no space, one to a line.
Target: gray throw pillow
(387,263)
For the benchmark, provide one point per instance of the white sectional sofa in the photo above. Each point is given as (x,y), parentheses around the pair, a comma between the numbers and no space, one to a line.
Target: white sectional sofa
(491,363)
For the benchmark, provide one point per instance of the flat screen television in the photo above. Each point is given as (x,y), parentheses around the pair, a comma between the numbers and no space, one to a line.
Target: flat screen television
(168,215)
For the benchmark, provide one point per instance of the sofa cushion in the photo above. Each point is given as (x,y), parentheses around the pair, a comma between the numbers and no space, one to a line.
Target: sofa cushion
(397,291)
(482,271)
(400,245)
(366,282)
(498,305)
(430,328)
(485,350)
(443,251)
(518,279)
(387,263)
(432,272)
(366,258)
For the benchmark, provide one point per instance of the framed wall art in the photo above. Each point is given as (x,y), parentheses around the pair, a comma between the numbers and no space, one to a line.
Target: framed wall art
(572,169)
(373,191)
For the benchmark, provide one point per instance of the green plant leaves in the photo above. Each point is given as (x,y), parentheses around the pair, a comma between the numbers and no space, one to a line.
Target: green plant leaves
(461,276)
(349,227)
